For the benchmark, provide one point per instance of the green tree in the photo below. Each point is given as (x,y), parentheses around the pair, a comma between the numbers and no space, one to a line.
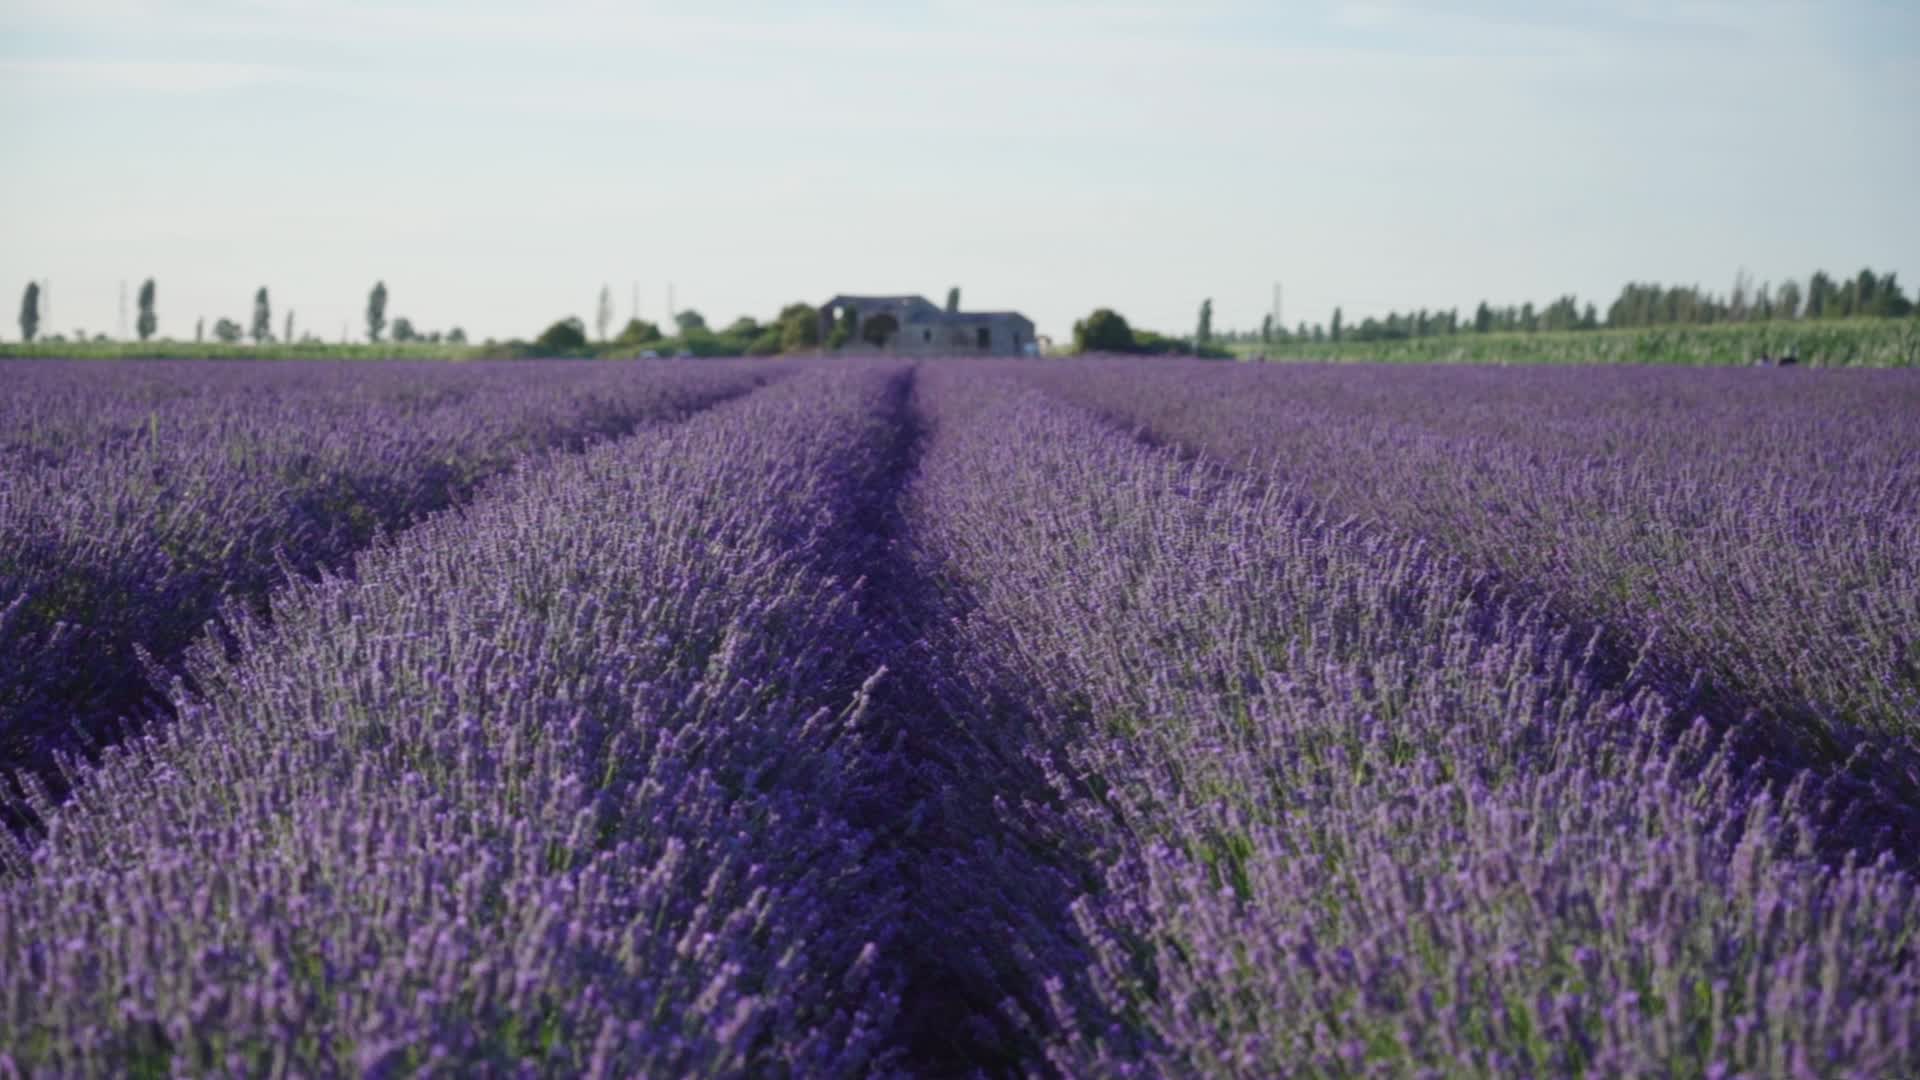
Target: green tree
(799,327)
(953,300)
(226,332)
(1819,294)
(1266,329)
(1203,331)
(456,336)
(1866,294)
(262,318)
(564,336)
(1894,303)
(637,332)
(1333,328)
(148,322)
(377,311)
(1103,331)
(746,326)
(403,331)
(30,311)
(689,320)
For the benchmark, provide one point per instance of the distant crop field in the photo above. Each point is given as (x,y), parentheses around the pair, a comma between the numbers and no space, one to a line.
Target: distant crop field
(1115,716)
(1812,342)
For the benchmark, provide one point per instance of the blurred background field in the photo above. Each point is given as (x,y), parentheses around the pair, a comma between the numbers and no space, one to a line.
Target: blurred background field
(1840,343)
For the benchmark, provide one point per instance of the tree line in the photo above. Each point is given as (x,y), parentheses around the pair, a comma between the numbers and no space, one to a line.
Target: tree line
(1866,295)
(795,328)
(1107,331)
(259,330)
(1640,304)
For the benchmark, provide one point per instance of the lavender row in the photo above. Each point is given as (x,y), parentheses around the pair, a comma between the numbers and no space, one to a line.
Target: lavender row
(554,785)
(135,498)
(1762,529)
(1362,816)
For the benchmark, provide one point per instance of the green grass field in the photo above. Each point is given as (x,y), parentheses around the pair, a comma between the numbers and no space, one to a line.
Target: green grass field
(1822,343)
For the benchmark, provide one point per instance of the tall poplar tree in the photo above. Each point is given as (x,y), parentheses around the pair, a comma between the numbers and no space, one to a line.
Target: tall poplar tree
(148,322)
(377,311)
(30,312)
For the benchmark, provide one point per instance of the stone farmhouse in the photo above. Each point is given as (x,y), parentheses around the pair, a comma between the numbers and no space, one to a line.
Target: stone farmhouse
(913,326)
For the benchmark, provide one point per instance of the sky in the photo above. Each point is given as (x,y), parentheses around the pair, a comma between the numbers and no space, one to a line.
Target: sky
(497,164)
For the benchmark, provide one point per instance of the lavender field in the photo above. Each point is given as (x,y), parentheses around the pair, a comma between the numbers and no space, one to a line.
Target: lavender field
(1028,718)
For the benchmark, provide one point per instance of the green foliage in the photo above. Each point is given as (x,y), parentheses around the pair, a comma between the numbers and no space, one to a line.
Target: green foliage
(704,342)
(377,311)
(689,320)
(227,332)
(262,318)
(799,327)
(953,300)
(1105,330)
(1816,342)
(839,336)
(637,332)
(767,344)
(1203,331)
(403,331)
(743,327)
(148,322)
(1152,344)
(566,336)
(30,312)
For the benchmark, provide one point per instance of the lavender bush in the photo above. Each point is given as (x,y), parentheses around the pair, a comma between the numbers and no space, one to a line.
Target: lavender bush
(923,719)
(1760,527)
(1362,817)
(551,785)
(135,498)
